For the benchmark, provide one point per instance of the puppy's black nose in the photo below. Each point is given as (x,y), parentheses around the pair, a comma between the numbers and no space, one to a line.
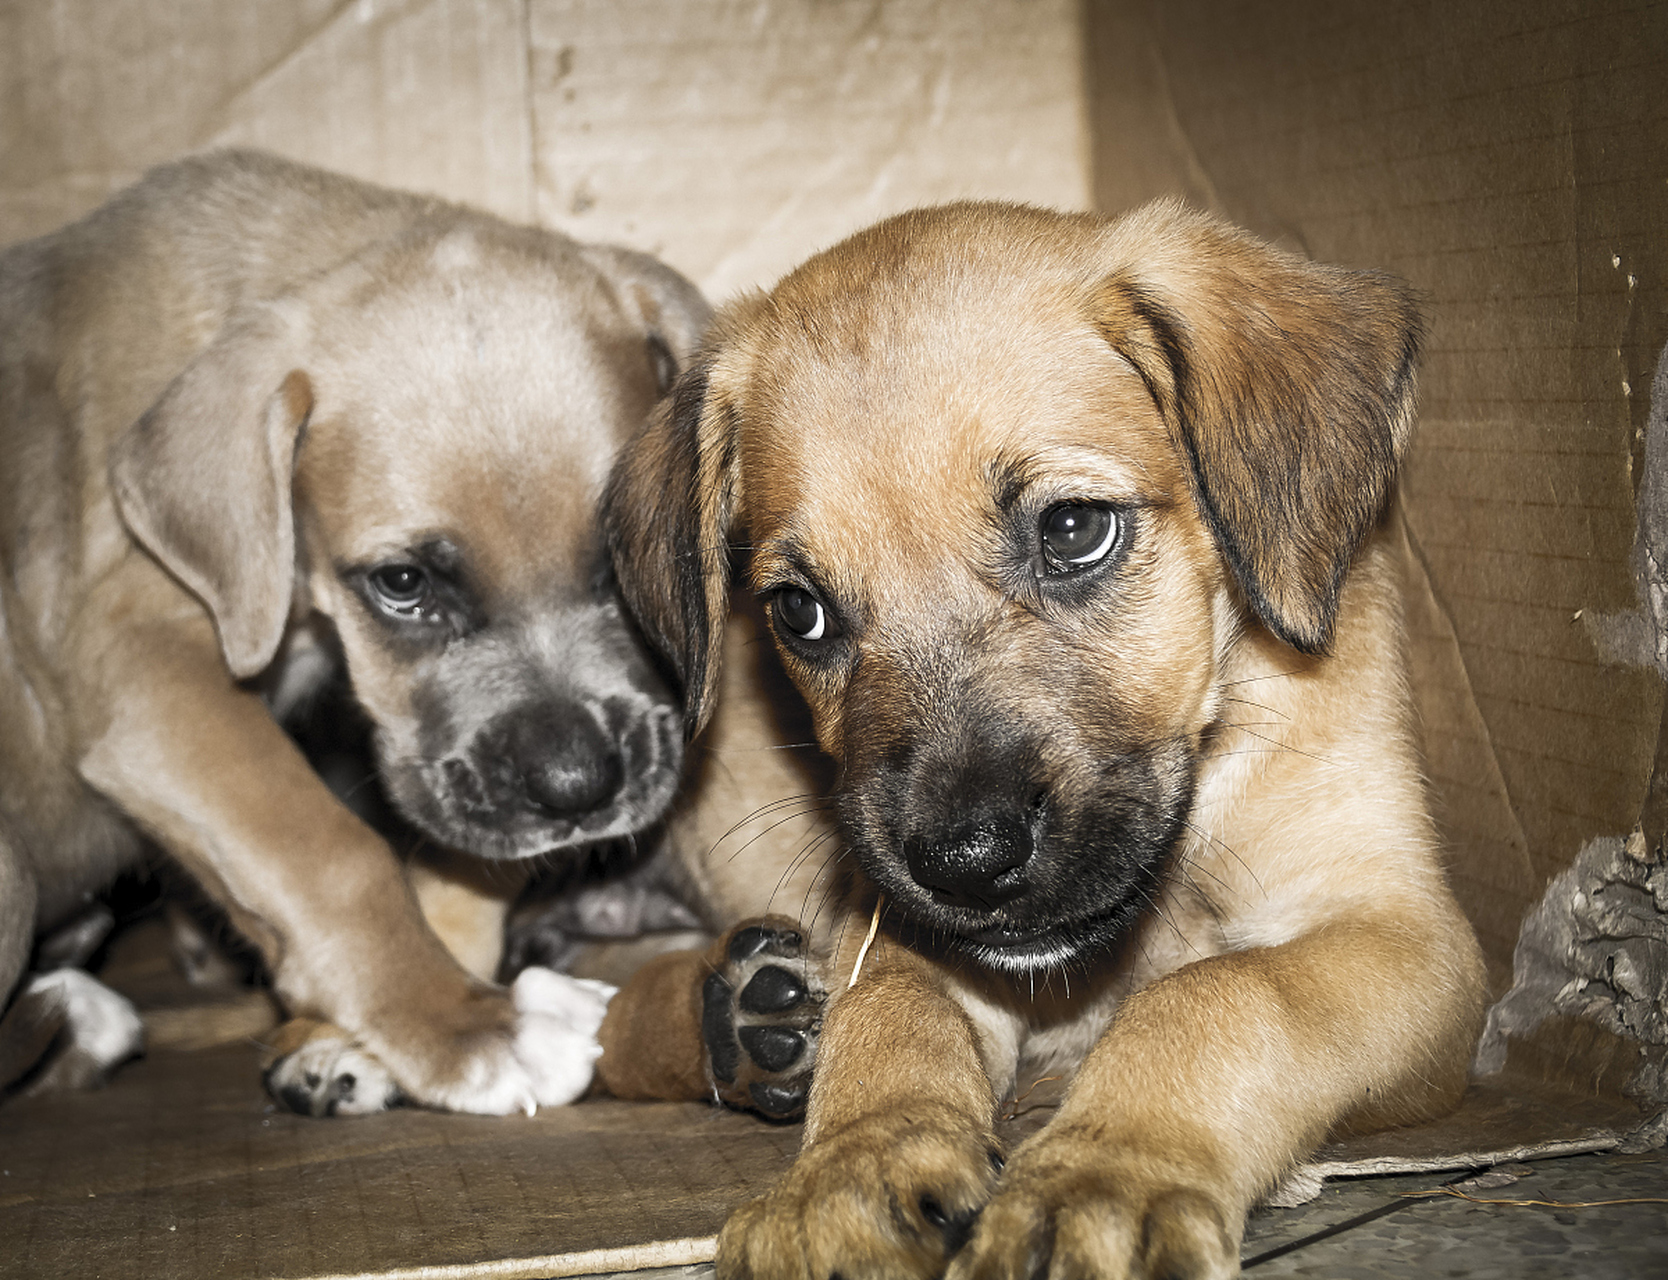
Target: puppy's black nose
(981,866)
(570,766)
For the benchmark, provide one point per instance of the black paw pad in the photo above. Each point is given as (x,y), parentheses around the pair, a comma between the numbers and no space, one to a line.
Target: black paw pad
(718,1029)
(773,990)
(779,1101)
(773,1048)
(297,1098)
(761,1012)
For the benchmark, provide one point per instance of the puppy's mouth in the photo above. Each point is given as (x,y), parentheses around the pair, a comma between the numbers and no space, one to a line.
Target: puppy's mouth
(1035,938)
(536,784)
(1020,951)
(1030,883)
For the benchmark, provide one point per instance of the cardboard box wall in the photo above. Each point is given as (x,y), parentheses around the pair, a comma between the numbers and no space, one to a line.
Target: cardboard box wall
(1510,159)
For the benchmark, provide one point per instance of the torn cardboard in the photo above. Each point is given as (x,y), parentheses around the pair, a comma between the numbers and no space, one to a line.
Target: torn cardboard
(1595,948)
(1596,945)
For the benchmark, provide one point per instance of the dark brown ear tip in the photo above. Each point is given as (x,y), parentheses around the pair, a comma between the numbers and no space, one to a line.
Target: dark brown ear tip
(1306,626)
(1310,637)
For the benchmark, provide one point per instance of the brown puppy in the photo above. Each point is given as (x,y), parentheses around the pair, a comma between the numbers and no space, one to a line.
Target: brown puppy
(1075,536)
(256,419)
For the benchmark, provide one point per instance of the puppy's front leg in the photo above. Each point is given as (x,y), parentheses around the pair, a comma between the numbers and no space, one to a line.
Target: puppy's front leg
(200,763)
(1211,1082)
(899,1150)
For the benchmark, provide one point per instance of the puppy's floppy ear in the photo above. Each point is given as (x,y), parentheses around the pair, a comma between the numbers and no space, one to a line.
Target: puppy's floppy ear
(671,310)
(1289,386)
(667,513)
(203,480)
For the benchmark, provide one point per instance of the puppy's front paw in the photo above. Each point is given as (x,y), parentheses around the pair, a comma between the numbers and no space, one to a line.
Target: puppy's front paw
(761,1012)
(1074,1204)
(533,1046)
(315,1069)
(70,1029)
(556,1031)
(893,1195)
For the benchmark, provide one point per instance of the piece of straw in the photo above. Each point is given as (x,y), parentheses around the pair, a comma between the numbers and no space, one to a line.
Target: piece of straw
(863,951)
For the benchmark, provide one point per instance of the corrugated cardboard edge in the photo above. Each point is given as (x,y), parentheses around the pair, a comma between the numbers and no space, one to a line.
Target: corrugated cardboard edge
(1305,1182)
(660,1253)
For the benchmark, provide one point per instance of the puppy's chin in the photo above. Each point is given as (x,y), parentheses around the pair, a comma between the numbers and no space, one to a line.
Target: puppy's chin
(489,802)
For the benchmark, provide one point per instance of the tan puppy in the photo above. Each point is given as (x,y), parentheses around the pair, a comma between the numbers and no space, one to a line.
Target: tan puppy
(1074,536)
(256,419)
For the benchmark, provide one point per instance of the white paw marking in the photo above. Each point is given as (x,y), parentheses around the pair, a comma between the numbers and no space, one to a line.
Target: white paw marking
(556,1037)
(101,1024)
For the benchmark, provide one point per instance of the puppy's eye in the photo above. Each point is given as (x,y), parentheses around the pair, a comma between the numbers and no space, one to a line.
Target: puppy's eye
(400,588)
(1075,536)
(803,614)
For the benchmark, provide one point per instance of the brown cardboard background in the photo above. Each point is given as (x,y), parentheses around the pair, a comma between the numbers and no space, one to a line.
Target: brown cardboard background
(731,138)
(1511,160)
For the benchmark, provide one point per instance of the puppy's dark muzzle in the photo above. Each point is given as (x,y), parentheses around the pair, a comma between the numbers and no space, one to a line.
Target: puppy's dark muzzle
(980,867)
(567,762)
(541,779)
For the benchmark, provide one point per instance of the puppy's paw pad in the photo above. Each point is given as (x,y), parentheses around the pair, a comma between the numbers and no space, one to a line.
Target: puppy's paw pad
(761,1012)
(556,1033)
(331,1075)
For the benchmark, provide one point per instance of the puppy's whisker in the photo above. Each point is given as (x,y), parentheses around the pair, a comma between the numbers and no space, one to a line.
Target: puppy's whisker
(823,895)
(1273,675)
(1261,706)
(1277,745)
(1187,866)
(812,803)
(793,864)
(1230,851)
(768,831)
(811,798)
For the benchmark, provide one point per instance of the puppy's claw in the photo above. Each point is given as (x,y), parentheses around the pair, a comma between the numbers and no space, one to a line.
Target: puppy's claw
(954,1227)
(761,1014)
